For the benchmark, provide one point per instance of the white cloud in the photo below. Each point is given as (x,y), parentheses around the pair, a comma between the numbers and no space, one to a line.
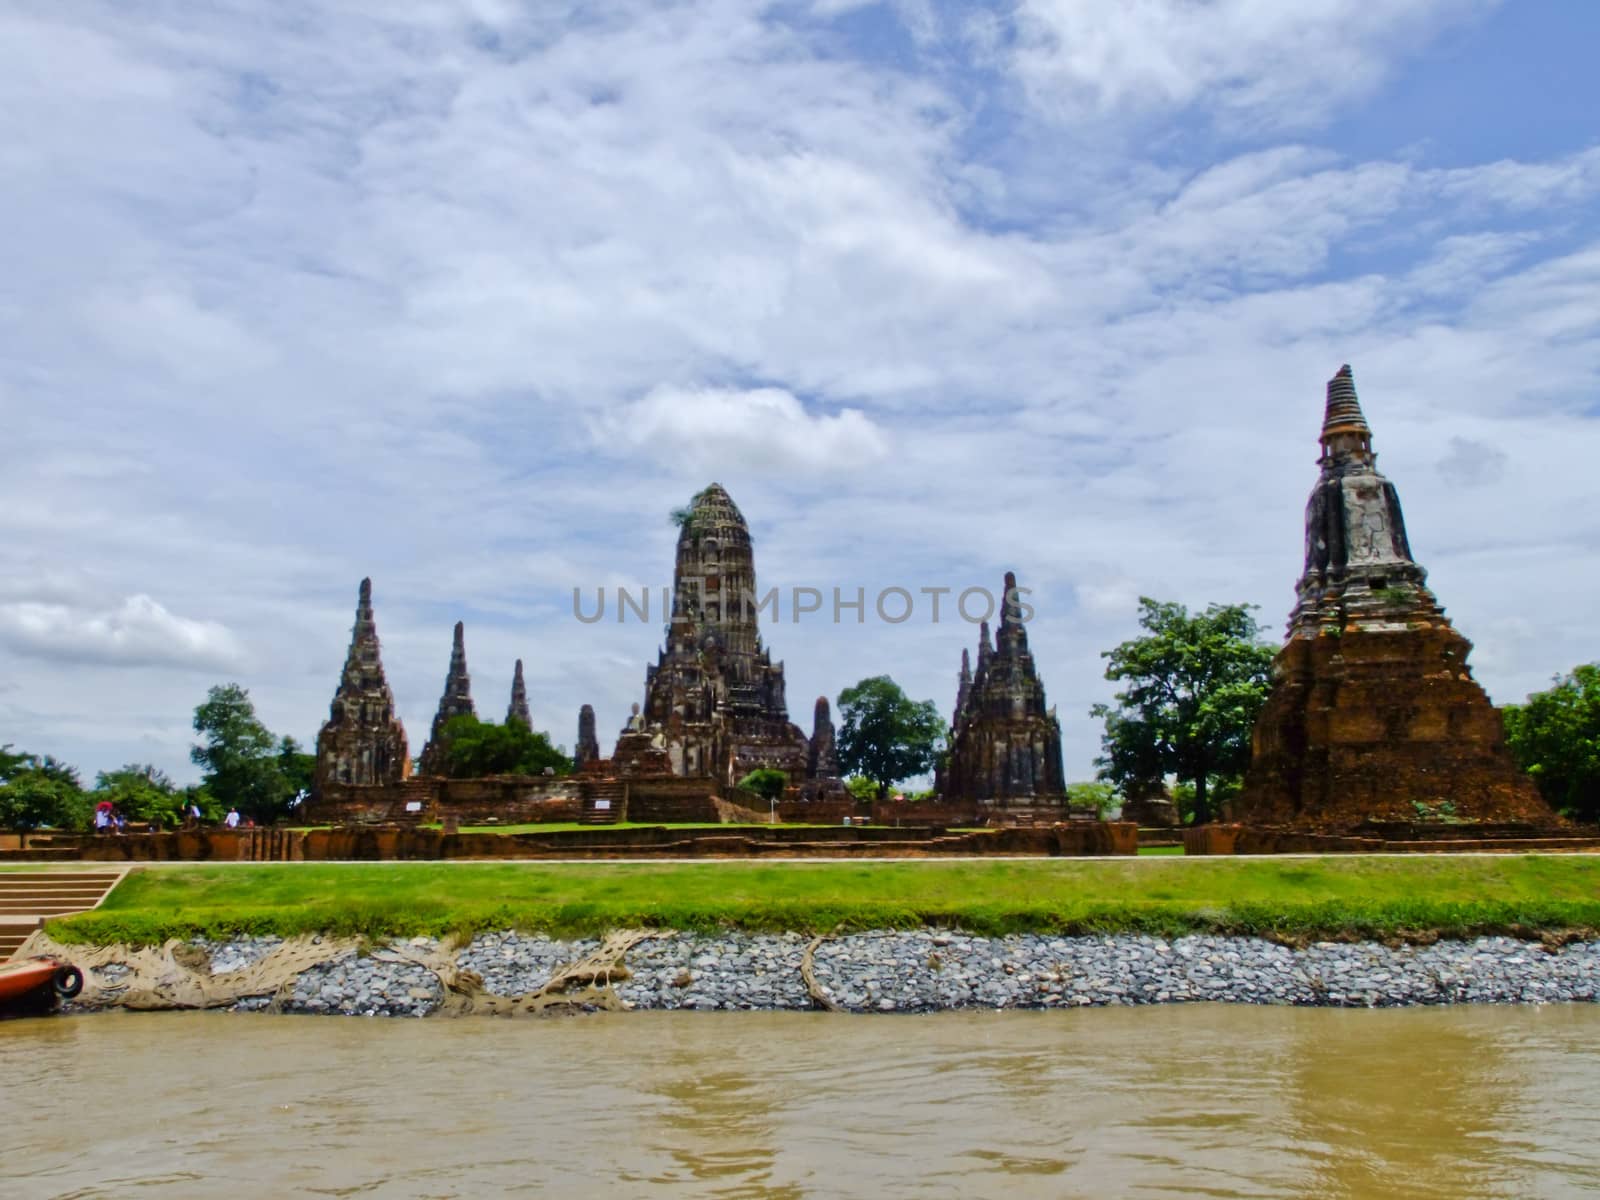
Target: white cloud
(170,328)
(465,296)
(1471,463)
(1259,62)
(138,633)
(712,428)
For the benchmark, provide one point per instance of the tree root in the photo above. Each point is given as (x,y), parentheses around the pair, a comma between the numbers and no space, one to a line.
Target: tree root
(578,987)
(178,975)
(808,972)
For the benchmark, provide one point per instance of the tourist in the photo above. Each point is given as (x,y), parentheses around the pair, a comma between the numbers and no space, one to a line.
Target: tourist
(232,819)
(194,815)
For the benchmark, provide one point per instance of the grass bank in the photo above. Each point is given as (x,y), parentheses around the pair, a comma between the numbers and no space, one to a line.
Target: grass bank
(1334,896)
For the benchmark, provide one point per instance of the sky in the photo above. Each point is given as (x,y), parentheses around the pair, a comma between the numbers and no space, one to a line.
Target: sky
(468,295)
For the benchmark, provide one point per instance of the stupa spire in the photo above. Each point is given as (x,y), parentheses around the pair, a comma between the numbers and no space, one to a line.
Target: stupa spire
(518,709)
(455,701)
(822,756)
(1344,425)
(1012,638)
(588,744)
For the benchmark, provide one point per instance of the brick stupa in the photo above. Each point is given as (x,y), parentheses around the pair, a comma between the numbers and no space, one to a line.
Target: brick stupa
(1005,741)
(1374,714)
(362,741)
(455,701)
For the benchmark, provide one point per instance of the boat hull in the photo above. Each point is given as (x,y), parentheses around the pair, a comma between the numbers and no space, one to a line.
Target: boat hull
(37,983)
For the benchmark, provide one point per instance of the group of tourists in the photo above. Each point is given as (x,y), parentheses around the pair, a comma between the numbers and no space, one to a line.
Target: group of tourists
(109,819)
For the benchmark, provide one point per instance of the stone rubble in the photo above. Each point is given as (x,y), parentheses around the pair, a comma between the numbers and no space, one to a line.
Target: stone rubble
(930,970)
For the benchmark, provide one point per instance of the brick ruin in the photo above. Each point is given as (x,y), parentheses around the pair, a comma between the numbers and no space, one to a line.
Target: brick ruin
(455,701)
(362,741)
(714,703)
(1004,742)
(1374,715)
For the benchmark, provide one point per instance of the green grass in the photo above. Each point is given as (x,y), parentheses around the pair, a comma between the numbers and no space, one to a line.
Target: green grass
(1296,897)
(1160,849)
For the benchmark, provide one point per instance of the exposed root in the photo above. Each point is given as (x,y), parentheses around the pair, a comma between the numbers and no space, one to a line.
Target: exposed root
(808,972)
(581,986)
(178,975)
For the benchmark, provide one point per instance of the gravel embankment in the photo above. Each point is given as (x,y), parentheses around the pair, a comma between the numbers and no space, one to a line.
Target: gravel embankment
(930,970)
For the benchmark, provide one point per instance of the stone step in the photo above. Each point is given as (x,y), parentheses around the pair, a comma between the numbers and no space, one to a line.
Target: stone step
(28,897)
(13,934)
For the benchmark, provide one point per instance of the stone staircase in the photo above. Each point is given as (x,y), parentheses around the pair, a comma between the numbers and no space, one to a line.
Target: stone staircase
(28,898)
(603,802)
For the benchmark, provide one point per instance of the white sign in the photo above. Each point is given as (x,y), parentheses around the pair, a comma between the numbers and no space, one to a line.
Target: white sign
(602,805)
(413,805)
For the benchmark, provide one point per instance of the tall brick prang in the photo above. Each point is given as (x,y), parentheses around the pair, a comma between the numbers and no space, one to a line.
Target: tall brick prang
(362,741)
(714,699)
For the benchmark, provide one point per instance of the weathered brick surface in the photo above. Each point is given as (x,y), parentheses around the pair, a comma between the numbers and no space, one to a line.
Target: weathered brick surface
(1005,742)
(1374,714)
(363,741)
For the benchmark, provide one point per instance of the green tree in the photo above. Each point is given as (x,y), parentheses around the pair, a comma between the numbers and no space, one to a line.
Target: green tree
(861,788)
(1556,738)
(141,792)
(1196,683)
(299,768)
(1092,793)
(766,782)
(196,795)
(38,790)
(885,735)
(475,748)
(240,756)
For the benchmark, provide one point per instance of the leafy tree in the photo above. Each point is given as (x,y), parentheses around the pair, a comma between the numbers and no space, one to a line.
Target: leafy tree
(885,735)
(141,792)
(1556,738)
(195,794)
(38,790)
(861,788)
(240,756)
(12,761)
(766,782)
(475,748)
(1197,682)
(299,768)
(1092,793)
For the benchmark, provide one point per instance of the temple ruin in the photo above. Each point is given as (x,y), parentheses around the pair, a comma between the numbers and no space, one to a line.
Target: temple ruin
(455,701)
(1373,715)
(362,741)
(1004,743)
(714,699)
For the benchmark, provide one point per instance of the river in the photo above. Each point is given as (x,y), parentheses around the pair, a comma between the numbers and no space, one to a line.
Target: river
(1191,1100)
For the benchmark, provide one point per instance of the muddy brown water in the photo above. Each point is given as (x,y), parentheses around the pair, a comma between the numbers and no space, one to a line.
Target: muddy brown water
(1202,1100)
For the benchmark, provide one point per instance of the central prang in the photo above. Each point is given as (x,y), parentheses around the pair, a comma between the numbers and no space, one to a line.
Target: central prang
(714,700)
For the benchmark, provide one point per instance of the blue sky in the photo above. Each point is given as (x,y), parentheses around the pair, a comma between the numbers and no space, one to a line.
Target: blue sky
(467,295)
